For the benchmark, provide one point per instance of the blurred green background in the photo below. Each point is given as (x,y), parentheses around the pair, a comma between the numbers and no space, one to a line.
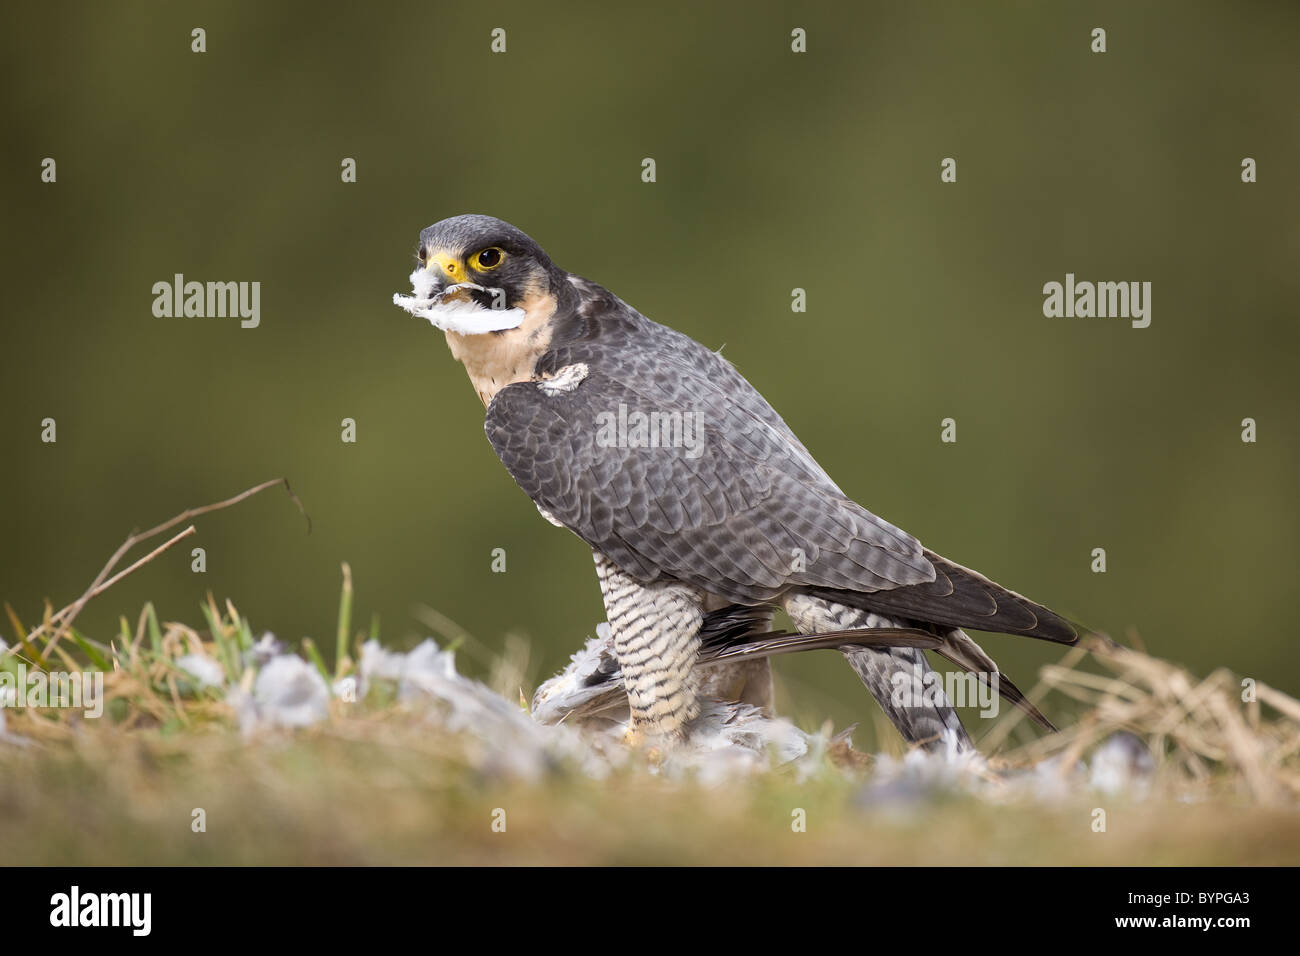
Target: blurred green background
(775,170)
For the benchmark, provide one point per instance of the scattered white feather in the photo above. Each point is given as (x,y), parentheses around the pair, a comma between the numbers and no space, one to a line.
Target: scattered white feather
(288,692)
(903,786)
(730,739)
(454,314)
(205,671)
(345,688)
(267,647)
(1122,764)
(502,738)
(421,668)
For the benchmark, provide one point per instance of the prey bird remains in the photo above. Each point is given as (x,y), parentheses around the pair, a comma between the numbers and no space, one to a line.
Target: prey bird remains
(586,402)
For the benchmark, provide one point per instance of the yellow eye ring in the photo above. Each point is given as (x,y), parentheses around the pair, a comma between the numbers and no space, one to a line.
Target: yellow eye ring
(485,260)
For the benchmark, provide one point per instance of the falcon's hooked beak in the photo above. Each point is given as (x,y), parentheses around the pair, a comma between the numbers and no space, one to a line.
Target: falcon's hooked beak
(442,280)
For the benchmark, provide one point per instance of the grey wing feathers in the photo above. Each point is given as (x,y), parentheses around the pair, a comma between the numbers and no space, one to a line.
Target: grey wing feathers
(745,518)
(960,597)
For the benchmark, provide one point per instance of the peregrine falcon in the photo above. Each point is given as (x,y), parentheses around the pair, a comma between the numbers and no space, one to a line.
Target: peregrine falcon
(692,492)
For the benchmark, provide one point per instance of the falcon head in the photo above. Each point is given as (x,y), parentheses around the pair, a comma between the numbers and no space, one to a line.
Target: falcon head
(477,274)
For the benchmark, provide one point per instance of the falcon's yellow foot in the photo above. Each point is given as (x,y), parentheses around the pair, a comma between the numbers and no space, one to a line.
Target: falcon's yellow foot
(646,737)
(653,748)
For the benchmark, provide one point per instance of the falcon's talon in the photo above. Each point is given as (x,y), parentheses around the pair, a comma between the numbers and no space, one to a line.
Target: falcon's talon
(733,512)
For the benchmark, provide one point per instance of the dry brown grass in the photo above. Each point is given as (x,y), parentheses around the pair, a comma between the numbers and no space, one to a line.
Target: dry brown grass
(1216,736)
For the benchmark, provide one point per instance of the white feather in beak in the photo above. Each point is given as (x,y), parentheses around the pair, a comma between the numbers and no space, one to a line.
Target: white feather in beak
(452,312)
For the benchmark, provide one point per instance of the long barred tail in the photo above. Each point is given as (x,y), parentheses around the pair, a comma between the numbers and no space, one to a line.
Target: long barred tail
(896,677)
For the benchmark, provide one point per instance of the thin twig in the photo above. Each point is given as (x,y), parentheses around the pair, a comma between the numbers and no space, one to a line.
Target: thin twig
(64,618)
(143,561)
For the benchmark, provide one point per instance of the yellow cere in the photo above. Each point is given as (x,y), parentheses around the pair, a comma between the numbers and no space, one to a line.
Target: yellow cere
(451,265)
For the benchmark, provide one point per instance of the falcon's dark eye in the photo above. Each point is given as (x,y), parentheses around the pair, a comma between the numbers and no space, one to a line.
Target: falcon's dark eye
(421,255)
(488,258)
